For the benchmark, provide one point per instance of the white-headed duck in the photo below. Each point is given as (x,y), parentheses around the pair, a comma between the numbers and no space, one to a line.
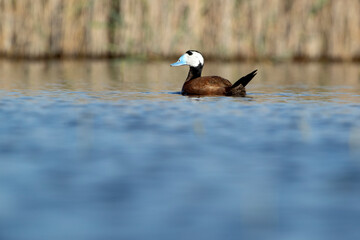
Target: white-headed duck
(209,85)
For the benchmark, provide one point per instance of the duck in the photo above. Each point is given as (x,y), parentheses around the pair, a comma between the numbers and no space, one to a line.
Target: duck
(195,84)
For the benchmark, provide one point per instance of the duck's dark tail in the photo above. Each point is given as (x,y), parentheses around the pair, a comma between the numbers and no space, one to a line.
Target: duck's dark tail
(245,79)
(238,88)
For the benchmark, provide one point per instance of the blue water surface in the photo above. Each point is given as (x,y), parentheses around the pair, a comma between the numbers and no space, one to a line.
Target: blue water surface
(102,150)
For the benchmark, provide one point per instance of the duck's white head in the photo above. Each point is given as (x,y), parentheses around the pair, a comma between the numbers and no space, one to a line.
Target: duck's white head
(191,58)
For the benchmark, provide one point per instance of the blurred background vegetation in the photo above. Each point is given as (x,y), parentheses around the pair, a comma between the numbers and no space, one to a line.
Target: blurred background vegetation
(229,29)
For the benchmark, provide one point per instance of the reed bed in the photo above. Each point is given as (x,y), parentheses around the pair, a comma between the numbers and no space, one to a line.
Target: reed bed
(227,29)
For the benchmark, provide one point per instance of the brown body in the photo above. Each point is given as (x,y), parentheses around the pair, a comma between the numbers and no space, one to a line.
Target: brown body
(209,85)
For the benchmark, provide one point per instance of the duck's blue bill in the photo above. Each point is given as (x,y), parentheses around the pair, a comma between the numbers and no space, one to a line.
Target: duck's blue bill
(180,62)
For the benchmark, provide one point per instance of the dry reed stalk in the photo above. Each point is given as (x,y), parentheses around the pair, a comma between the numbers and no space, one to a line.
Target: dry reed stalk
(75,27)
(55,22)
(99,37)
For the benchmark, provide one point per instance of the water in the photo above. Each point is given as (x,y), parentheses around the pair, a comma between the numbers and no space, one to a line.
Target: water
(110,150)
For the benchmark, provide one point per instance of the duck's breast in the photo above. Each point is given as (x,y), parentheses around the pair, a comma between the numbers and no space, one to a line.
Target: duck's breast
(210,85)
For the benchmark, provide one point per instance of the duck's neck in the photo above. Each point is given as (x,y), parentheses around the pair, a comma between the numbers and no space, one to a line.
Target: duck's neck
(194,72)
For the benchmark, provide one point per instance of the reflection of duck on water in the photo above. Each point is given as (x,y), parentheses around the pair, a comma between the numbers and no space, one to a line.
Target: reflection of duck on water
(209,85)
